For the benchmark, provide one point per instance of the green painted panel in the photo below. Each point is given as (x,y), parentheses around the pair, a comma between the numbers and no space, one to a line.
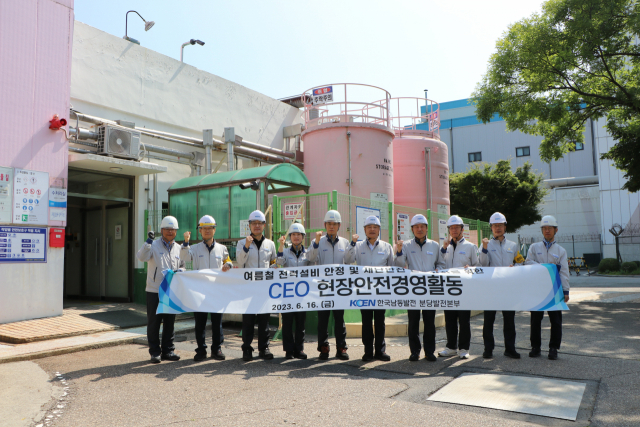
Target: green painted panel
(243,202)
(217,178)
(183,207)
(215,202)
(191,181)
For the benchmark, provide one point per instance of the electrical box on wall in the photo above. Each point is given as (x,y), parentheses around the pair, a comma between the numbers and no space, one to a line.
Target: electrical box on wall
(56,237)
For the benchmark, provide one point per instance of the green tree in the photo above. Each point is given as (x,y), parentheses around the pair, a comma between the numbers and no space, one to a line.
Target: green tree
(485,189)
(577,60)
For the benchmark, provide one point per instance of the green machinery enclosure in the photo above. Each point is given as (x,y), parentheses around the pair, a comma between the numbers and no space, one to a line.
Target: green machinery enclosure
(221,196)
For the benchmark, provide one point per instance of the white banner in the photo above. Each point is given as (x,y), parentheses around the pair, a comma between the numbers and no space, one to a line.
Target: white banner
(337,287)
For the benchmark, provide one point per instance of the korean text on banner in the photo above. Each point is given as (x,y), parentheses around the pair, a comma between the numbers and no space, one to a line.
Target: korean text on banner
(337,287)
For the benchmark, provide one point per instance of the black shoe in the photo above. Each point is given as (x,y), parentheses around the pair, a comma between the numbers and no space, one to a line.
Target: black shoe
(324,352)
(553,354)
(512,354)
(247,355)
(155,359)
(414,357)
(382,356)
(535,352)
(367,357)
(431,357)
(487,354)
(199,357)
(288,355)
(170,356)
(342,354)
(218,355)
(300,355)
(266,354)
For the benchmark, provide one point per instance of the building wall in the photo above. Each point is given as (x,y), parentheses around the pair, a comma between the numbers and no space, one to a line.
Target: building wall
(115,79)
(618,206)
(35,50)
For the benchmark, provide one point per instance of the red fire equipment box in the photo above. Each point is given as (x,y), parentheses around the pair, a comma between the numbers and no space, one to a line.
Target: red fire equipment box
(56,237)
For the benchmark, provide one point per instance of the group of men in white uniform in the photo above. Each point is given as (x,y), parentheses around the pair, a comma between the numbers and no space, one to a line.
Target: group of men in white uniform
(420,254)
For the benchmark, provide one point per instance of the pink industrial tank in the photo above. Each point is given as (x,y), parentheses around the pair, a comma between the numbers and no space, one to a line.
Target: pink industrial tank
(349,138)
(421,160)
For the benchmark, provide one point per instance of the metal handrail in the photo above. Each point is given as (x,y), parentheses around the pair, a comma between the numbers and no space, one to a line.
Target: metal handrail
(346,109)
(408,122)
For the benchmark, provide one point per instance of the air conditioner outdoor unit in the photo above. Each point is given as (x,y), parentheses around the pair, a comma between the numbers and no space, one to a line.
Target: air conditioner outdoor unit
(119,142)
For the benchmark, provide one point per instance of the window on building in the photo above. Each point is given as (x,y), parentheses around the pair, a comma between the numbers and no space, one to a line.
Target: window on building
(475,157)
(579,146)
(523,152)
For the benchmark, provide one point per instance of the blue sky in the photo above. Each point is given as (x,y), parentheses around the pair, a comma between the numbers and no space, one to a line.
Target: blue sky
(282,48)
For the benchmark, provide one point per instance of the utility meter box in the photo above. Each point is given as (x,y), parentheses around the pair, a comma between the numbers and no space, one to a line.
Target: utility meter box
(56,237)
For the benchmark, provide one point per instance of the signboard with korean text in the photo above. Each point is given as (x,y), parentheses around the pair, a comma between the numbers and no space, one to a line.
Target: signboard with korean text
(30,197)
(23,244)
(6,194)
(361,214)
(244,228)
(322,95)
(404,227)
(379,199)
(442,230)
(293,211)
(339,287)
(57,204)
(466,233)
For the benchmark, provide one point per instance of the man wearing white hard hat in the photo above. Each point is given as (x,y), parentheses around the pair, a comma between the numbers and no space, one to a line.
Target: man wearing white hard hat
(293,256)
(420,254)
(375,253)
(207,255)
(161,254)
(256,251)
(458,252)
(548,251)
(499,252)
(330,249)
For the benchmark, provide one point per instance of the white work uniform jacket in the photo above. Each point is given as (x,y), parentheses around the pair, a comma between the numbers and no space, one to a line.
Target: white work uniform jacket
(288,258)
(204,259)
(420,258)
(159,258)
(465,253)
(254,258)
(382,254)
(499,254)
(556,254)
(325,253)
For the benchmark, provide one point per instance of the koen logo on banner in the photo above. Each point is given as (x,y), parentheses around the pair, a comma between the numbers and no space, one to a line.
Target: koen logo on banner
(362,303)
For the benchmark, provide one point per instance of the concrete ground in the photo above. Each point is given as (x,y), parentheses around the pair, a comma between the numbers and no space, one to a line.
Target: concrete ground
(116,386)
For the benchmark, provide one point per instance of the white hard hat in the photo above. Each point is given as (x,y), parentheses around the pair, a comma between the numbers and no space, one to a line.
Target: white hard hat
(498,218)
(372,220)
(296,227)
(257,216)
(207,221)
(419,219)
(169,222)
(454,220)
(548,220)
(332,216)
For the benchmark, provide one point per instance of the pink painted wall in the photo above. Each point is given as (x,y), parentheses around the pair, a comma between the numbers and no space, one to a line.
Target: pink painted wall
(35,77)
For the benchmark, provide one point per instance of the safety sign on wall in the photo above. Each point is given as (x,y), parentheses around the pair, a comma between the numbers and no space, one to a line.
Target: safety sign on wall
(244,228)
(322,95)
(292,211)
(23,244)
(57,204)
(379,199)
(361,214)
(404,227)
(442,230)
(30,197)
(6,193)
(466,233)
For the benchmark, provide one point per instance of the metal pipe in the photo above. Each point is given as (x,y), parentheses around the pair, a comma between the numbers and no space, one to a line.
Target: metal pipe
(230,165)
(84,133)
(88,144)
(349,143)
(165,159)
(207,140)
(80,150)
(249,150)
(593,149)
(169,151)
